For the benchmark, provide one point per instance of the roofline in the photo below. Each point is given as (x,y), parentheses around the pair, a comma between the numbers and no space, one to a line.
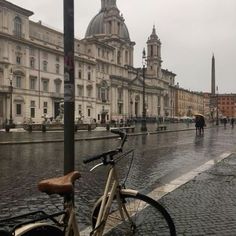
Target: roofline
(169,72)
(16,8)
(39,23)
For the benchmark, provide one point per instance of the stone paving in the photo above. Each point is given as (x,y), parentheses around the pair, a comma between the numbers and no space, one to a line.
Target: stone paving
(205,205)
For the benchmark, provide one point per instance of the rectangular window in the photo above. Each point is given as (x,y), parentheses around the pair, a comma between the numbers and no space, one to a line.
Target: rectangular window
(18,81)
(57,68)
(80,74)
(32,112)
(80,110)
(45,85)
(45,107)
(57,58)
(31,52)
(103,94)
(58,87)
(120,94)
(18,109)
(120,108)
(89,112)
(89,92)
(32,109)
(80,91)
(45,65)
(32,63)
(32,83)
(18,60)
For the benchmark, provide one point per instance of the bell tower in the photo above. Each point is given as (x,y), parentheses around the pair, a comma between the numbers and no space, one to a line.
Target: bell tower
(154,55)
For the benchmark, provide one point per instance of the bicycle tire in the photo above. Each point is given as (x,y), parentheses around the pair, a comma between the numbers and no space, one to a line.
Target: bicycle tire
(151,217)
(42,230)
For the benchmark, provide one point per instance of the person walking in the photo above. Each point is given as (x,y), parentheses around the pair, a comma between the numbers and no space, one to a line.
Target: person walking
(225,122)
(232,122)
(200,124)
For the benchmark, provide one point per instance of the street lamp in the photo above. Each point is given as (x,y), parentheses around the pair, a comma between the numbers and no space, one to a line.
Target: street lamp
(11,92)
(144,125)
(131,108)
(217,108)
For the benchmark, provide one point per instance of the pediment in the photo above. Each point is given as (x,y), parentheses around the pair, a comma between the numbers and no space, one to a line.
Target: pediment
(137,81)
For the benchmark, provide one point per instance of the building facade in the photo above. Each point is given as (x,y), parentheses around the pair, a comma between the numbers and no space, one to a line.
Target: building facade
(226,105)
(188,102)
(107,85)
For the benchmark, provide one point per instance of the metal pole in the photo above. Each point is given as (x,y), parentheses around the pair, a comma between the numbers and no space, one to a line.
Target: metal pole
(11,91)
(144,125)
(69,87)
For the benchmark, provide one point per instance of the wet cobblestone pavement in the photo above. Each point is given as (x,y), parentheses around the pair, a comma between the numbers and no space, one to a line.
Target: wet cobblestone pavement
(206,205)
(203,206)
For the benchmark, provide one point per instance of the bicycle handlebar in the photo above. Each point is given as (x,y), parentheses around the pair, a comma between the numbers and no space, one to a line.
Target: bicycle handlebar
(110,153)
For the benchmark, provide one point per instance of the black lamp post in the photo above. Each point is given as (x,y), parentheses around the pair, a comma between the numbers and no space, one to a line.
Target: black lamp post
(217,108)
(131,108)
(11,91)
(144,123)
(10,124)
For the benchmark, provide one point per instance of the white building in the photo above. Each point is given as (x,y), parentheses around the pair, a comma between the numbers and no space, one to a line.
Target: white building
(107,86)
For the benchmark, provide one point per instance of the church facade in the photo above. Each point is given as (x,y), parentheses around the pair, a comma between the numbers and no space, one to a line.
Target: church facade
(107,85)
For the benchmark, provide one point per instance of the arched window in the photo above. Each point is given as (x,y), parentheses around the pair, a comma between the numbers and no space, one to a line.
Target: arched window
(17,26)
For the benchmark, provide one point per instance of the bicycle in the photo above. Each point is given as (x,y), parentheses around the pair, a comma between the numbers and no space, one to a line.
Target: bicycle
(119,211)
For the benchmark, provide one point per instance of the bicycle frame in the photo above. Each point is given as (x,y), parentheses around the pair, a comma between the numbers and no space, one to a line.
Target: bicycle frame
(71,222)
(112,190)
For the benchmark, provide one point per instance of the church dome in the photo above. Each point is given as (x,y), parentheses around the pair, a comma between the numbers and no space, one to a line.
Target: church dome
(97,24)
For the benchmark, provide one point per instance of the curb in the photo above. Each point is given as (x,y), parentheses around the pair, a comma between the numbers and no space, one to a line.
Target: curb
(94,138)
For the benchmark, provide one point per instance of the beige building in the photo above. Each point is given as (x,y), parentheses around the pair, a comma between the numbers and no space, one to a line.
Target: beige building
(107,85)
(188,102)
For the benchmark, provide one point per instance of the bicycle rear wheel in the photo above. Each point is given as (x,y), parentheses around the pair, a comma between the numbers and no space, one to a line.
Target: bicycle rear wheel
(39,230)
(147,217)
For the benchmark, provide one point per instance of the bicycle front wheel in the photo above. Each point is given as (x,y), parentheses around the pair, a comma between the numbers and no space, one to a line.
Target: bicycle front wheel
(139,215)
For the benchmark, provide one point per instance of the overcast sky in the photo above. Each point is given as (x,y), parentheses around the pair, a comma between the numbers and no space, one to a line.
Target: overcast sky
(190,32)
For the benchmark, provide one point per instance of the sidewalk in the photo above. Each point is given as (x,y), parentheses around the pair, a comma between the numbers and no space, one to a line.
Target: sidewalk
(19,136)
(206,205)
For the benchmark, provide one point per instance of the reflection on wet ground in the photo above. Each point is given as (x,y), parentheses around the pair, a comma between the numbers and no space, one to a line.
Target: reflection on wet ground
(158,158)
